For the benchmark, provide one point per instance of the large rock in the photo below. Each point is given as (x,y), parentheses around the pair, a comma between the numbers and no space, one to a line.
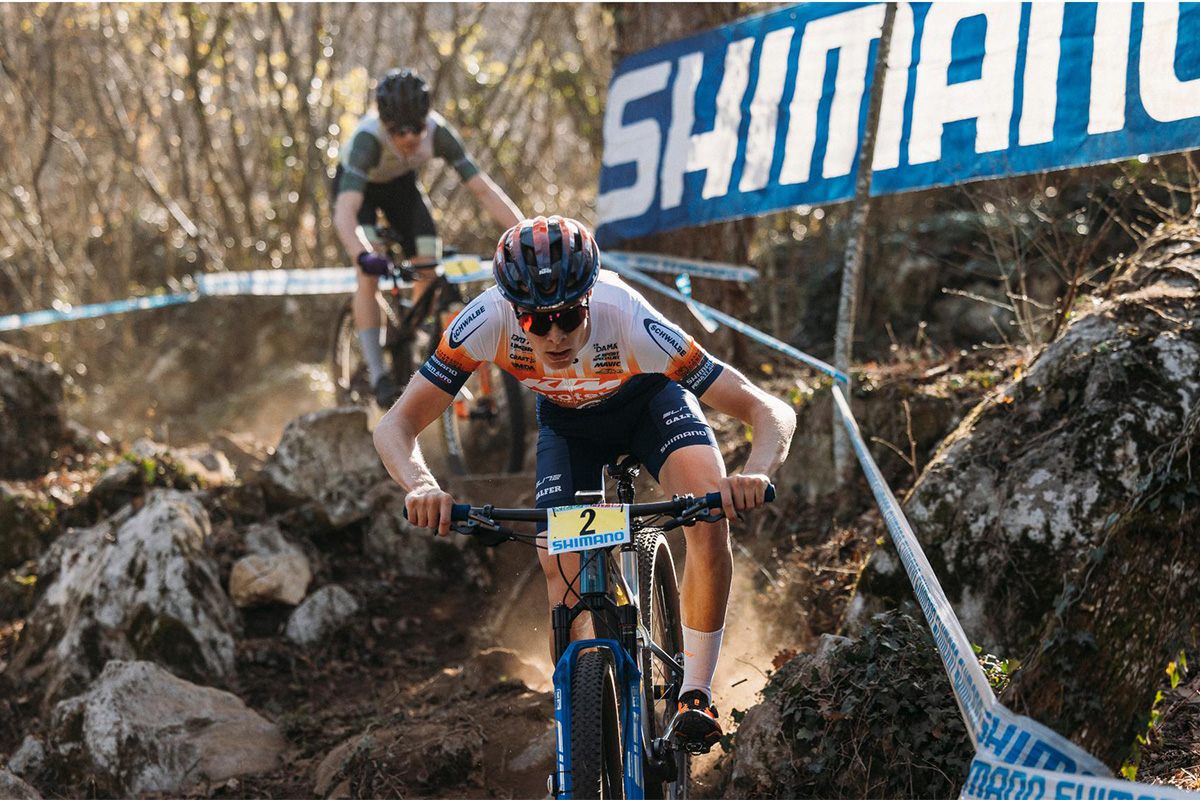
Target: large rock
(13,788)
(274,571)
(395,544)
(871,717)
(1030,485)
(26,525)
(327,458)
(31,414)
(320,615)
(139,729)
(138,586)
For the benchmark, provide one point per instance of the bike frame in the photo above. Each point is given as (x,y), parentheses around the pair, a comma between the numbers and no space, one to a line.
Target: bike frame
(594,595)
(629,683)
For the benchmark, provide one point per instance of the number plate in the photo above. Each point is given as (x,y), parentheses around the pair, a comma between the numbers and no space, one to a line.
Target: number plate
(573,528)
(461,266)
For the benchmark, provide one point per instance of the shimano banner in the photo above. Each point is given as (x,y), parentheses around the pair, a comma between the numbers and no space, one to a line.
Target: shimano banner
(767,113)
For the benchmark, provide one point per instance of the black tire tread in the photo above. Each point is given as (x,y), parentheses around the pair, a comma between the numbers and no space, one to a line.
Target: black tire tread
(590,680)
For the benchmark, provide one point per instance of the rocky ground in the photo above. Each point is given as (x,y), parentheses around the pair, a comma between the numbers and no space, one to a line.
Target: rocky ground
(250,617)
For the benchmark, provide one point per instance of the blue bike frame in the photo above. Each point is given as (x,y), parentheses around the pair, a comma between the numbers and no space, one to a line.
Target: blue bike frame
(593,581)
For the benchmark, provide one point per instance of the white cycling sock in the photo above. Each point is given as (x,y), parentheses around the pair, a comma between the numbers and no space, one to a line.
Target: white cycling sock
(700,652)
(372,350)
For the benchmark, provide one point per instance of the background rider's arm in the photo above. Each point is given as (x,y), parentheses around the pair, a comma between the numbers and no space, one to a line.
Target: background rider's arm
(773,420)
(396,441)
(345,223)
(494,201)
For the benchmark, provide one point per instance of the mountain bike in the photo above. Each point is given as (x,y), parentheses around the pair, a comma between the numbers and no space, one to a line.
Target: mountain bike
(615,696)
(486,423)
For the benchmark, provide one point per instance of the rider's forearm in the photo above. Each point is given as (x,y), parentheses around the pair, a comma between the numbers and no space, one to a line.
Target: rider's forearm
(774,423)
(401,455)
(345,224)
(495,202)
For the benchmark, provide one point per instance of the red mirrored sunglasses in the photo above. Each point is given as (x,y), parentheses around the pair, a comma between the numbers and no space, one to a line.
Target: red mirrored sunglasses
(410,129)
(539,322)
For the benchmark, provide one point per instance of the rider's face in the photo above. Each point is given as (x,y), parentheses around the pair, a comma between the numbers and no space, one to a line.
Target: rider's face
(406,138)
(557,349)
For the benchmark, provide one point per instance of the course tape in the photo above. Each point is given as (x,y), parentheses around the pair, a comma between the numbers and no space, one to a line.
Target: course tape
(654,262)
(1017,758)
(263,282)
(736,324)
(32,319)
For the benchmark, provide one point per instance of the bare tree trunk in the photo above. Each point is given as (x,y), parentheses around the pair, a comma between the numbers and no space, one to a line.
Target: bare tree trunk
(843,457)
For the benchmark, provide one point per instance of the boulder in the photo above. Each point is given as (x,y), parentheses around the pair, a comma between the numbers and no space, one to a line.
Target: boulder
(137,586)
(1030,485)
(29,758)
(394,544)
(274,571)
(26,524)
(868,717)
(320,615)
(139,729)
(31,414)
(327,458)
(13,788)
(119,484)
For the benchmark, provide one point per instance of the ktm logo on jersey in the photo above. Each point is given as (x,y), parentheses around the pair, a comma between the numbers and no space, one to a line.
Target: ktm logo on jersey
(577,385)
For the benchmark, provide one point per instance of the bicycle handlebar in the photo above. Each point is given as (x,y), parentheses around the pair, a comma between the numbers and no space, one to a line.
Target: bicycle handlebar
(677,505)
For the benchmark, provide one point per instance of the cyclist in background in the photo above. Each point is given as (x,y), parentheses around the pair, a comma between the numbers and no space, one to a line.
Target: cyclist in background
(613,376)
(377,171)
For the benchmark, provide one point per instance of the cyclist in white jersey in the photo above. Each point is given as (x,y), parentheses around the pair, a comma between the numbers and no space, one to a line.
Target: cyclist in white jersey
(377,171)
(613,376)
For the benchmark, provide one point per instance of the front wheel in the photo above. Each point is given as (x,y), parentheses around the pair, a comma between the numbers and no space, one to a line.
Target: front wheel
(595,728)
(658,596)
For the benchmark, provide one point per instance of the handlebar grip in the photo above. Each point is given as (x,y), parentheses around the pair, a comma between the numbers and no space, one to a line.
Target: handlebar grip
(458,513)
(713,499)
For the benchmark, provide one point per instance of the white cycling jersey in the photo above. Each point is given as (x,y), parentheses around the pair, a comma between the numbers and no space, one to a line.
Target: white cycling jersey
(628,337)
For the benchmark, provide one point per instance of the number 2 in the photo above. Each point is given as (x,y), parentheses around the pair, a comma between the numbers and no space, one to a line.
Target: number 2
(591,517)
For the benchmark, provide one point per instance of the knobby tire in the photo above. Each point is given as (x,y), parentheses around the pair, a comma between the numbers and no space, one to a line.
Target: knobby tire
(658,593)
(595,728)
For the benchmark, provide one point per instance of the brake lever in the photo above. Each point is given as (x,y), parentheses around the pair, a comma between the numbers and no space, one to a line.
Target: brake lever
(484,530)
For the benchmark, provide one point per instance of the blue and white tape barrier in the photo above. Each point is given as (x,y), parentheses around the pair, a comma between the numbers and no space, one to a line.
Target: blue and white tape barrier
(339,280)
(736,324)
(1015,757)
(263,282)
(654,262)
(32,319)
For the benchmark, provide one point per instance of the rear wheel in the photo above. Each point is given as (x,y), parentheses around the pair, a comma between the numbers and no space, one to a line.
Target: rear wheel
(595,728)
(658,594)
(484,428)
(351,381)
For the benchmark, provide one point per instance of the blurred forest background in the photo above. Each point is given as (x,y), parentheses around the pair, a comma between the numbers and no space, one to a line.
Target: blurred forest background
(145,142)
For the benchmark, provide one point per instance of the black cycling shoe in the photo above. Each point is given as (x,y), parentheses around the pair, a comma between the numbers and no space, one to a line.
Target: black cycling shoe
(386,392)
(696,727)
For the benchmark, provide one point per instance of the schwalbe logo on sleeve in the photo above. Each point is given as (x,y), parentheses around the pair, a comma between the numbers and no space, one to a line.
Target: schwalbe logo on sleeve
(668,339)
(459,332)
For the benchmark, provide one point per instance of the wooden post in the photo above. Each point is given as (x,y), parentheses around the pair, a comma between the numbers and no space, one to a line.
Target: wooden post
(856,245)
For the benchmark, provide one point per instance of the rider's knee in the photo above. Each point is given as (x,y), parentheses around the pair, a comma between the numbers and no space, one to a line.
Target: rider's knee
(710,544)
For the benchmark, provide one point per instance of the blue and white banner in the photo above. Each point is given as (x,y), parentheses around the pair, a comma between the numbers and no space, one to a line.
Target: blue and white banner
(767,113)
